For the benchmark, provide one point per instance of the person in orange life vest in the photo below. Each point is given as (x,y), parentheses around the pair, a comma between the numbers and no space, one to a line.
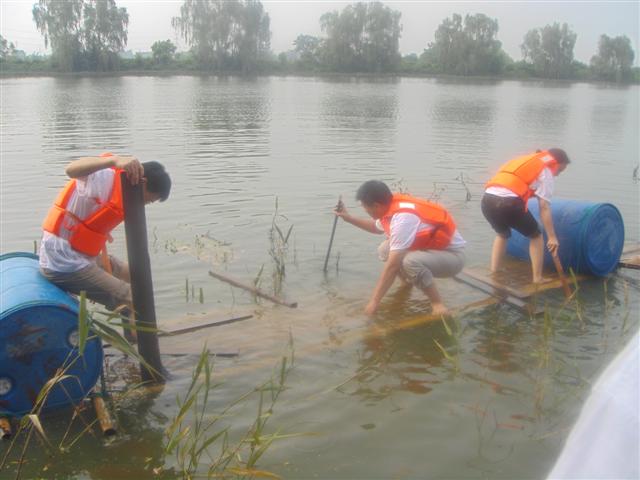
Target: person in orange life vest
(504,204)
(78,226)
(422,241)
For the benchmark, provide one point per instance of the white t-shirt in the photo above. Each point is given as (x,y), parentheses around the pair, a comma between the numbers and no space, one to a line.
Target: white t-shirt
(404,228)
(55,252)
(542,187)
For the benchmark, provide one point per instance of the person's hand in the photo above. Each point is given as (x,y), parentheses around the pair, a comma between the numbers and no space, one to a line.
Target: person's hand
(371,307)
(340,210)
(553,245)
(132,167)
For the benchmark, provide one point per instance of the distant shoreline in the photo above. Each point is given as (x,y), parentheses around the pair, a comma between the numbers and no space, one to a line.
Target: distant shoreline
(204,73)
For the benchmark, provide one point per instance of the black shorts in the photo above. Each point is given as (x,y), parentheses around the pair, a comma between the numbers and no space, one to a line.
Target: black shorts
(505,213)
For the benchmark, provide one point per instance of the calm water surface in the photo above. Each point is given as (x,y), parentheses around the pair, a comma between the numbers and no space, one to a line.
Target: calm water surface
(383,402)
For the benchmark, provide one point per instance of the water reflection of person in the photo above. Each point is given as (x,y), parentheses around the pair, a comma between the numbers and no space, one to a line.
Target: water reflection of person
(400,360)
(422,241)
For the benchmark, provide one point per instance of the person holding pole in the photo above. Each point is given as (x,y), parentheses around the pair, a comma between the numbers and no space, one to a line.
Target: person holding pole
(81,219)
(504,205)
(422,241)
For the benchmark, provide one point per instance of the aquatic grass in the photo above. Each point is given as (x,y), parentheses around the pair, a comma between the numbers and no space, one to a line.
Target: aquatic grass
(436,193)
(194,432)
(278,249)
(258,278)
(464,184)
(191,288)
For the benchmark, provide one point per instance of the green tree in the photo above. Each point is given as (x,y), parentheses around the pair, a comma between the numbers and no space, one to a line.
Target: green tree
(308,48)
(466,47)
(163,52)
(363,37)
(104,33)
(7,49)
(550,50)
(59,21)
(614,59)
(82,33)
(225,34)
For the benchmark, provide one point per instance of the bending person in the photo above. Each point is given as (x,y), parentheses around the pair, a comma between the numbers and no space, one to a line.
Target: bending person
(422,243)
(504,205)
(81,219)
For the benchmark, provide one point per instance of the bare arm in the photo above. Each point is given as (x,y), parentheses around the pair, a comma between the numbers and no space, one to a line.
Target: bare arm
(389,272)
(547,222)
(366,224)
(87,165)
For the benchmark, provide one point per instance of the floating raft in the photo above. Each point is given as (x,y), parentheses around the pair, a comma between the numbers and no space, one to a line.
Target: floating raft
(512,286)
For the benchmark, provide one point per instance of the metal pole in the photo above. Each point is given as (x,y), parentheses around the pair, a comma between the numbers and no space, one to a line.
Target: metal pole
(333,232)
(135,224)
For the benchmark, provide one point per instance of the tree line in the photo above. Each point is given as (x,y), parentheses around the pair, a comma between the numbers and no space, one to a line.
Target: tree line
(233,36)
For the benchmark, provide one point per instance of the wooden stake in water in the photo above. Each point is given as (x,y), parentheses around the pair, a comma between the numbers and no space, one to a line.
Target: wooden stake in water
(333,232)
(560,270)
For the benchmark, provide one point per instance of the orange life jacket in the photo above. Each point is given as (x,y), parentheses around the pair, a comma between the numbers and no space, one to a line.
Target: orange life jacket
(87,235)
(518,174)
(437,238)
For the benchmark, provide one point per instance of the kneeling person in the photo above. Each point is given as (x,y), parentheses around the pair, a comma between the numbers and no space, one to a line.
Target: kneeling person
(78,225)
(422,241)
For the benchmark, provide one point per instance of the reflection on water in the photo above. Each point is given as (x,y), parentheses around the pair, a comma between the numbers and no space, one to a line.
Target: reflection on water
(494,397)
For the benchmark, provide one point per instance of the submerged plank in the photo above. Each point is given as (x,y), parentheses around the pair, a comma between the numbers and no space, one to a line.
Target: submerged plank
(630,257)
(516,280)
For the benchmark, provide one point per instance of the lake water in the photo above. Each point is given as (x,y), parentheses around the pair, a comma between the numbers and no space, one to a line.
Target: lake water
(245,153)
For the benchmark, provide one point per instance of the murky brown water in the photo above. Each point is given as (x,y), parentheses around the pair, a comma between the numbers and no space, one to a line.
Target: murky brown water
(380,395)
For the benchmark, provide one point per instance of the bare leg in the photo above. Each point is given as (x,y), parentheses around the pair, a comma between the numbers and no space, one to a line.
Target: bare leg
(498,252)
(437,307)
(536,252)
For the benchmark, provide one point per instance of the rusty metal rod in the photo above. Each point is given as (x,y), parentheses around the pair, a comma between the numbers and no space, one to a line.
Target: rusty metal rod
(251,289)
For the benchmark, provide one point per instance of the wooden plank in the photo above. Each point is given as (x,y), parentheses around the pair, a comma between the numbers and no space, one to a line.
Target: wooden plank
(200,325)
(516,280)
(630,257)
(502,295)
(495,282)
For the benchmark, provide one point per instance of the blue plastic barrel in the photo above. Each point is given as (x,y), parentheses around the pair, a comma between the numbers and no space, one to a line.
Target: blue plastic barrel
(38,336)
(591,236)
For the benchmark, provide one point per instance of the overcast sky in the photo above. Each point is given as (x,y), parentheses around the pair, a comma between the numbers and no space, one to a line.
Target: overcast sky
(150,20)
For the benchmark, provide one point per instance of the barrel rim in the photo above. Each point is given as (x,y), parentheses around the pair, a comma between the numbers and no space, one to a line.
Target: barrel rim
(6,256)
(38,303)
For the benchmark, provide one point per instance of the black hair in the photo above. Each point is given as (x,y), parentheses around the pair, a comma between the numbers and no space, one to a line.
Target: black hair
(158,180)
(559,155)
(374,191)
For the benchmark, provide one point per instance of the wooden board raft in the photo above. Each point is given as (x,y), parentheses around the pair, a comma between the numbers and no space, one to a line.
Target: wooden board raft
(513,286)
(630,257)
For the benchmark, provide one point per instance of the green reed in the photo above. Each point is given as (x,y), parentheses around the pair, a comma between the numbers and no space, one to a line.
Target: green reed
(278,249)
(198,442)
(453,334)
